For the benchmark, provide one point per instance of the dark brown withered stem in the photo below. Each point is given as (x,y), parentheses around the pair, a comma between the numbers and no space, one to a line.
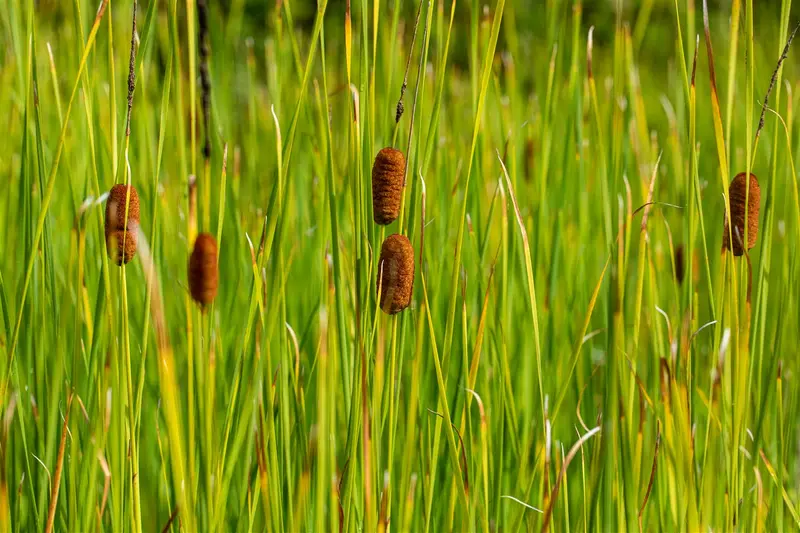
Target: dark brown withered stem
(51,511)
(171,520)
(711,72)
(400,107)
(131,73)
(205,80)
(774,79)
(652,474)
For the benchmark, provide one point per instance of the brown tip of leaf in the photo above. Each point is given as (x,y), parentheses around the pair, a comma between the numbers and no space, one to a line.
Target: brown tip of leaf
(712,75)
(203,270)
(739,204)
(395,274)
(388,174)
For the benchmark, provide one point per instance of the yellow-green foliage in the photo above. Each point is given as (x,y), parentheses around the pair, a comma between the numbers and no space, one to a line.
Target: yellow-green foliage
(551,372)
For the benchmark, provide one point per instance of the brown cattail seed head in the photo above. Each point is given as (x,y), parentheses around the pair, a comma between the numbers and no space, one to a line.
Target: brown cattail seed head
(737,193)
(396,274)
(121,244)
(388,174)
(203,272)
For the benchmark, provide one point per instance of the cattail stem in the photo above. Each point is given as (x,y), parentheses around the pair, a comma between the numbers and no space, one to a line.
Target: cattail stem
(772,81)
(204,51)
(204,48)
(400,107)
(131,74)
(420,74)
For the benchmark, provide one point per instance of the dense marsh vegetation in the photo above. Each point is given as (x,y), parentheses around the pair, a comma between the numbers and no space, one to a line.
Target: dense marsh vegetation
(581,351)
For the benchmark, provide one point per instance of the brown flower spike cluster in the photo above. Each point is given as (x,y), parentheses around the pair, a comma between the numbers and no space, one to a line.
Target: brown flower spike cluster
(396,265)
(737,194)
(203,271)
(121,243)
(387,185)
(396,273)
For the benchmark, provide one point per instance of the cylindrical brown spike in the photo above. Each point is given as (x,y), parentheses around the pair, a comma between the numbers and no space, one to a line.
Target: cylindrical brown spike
(679,263)
(737,193)
(121,246)
(396,274)
(115,224)
(388,174)
(203,272)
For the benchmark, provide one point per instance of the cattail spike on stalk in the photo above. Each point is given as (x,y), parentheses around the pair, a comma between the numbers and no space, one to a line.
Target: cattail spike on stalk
(205,80)
(388,172)
(774,79)
(203,270)
(131,73)
(738,198)
(395,274)
(120,231)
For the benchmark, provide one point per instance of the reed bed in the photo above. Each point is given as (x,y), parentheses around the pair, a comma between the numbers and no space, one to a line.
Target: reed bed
(554,336)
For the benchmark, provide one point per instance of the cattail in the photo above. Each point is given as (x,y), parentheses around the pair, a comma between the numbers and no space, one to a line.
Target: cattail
(679,264)
(121,246)
(396,274)
(387,185)
(121,234)
(203,272)
(737,193)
